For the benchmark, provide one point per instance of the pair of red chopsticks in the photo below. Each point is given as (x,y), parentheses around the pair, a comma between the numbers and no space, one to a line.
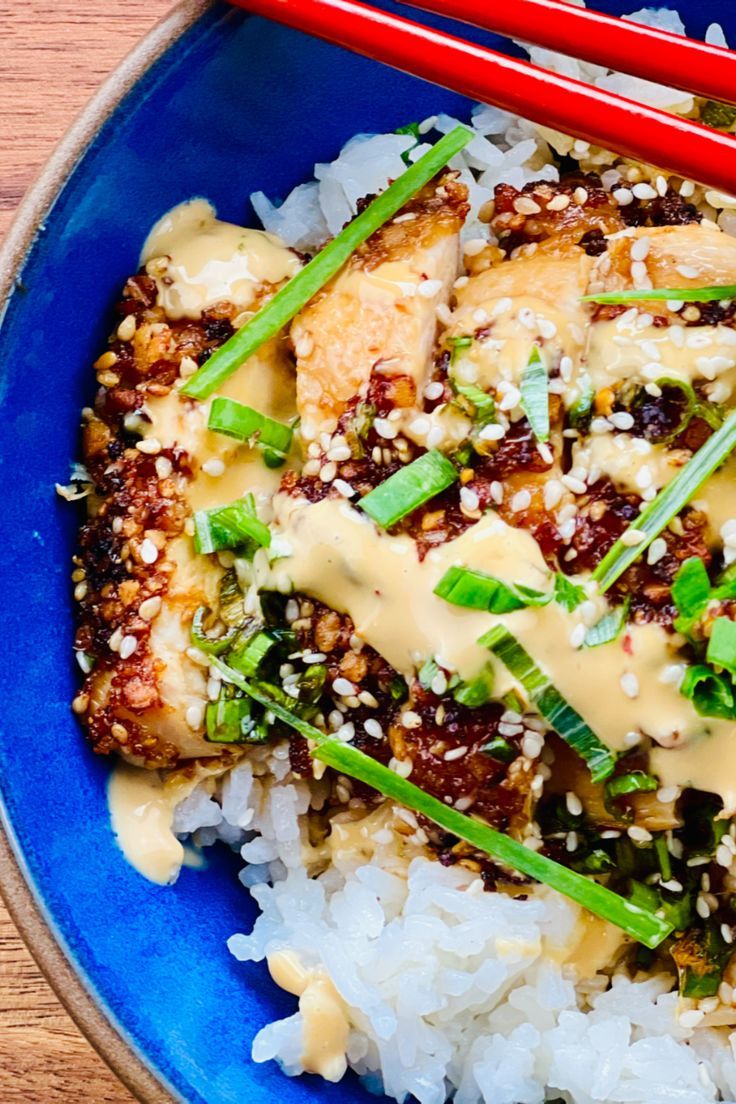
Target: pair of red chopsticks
(614,122)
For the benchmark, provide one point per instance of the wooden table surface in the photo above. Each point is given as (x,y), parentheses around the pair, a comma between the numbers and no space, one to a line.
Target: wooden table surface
(53,56)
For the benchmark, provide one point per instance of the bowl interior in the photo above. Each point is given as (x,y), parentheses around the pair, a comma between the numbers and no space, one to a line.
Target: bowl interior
(237,104)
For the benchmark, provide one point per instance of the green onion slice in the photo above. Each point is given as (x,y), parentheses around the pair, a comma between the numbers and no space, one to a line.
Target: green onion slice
(477,692)
(658,513)
(485,407)
(639,923)
(712,695)
(675,295)
(475,590)
(634,782)
(722,644)
(210,645)
(290,299)
(534,395)
(691,593)
(457,344)
(229,721)
(246,424)
(609,627)
(248,658)
(561,716)
(409,488)
(230,527)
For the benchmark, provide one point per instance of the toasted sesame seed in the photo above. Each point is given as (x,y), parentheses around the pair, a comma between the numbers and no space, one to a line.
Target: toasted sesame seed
(127,328)
(80,591)
(580,195)
(629,683)
(410,719)
(115,638)
(213,467)
(149,445)
(455,753)
(559,202)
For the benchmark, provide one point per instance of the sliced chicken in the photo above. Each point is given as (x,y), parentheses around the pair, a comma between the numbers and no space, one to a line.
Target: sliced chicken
(380,313)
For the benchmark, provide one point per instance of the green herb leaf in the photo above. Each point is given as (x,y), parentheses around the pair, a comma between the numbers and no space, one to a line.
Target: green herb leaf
(658,513)
(535,396)
(581,410)
(674,295)
(567,594)
(475,590)
(609,627)
(639,923)
(408,488)
(722,644)
(230,527)
(290,299)
(561,716)
(711,694)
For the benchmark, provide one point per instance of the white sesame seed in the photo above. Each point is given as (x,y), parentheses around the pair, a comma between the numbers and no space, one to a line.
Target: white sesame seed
(410,719)
(640,249)
(469,498)
(689,272)
(473,247)
(521,501)
(723,856)
(435,436)
(149,608)
(527,318)
(632,537)
(438,684)
(577,636)
(507,728)
(402,767)
(629,683)
(496,490)
(195,716)
(150,446)
(339,453)
(644,191)
(429,288)
(667,794)
(343,686)
(510,397)
(127,646)
(702,907)
(553,492)
(531,745)
(80,591)
(127,328)
(366,698)
(328,471)
(571,841)
(638,835)
(727,933)
(672,885)
(462,805)
(621,419)
(524,205)
(559,202)
(577,486)
(580,195)
(547,329)
(148,551)
(213,467)
(386,429)
(657,549)
(455,753)
(346,732)
(373,728)
(343,488)
(574,804)
(623,196)
(114,641)
(434,390)
(492,432)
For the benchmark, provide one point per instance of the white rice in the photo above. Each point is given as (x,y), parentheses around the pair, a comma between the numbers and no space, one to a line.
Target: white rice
(451,991)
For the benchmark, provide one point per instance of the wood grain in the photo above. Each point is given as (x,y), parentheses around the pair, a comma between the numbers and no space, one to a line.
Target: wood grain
(53,56)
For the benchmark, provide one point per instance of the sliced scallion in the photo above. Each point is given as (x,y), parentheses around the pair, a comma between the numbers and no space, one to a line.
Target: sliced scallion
(249,658)
(210,645)
(561,716)
(229,721)
(499,748)
(712,695)
(474,590)
(691,592)
(608,628)
(483,404)
(230,527)
(722,644)
(633,782)
(409,488)
(246,424)
(674,295)
(641,924)
(457,344)
(535,396)
(658,513)
(290,299)
(478,691)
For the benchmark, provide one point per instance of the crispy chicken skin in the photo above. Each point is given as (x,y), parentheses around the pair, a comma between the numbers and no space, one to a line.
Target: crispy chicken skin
(379,313)
(139,581)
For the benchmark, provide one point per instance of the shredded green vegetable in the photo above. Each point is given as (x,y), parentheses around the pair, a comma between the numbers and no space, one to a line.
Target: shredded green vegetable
(674,295)
(658,513)
(639,923)
(534,395)
(290,299)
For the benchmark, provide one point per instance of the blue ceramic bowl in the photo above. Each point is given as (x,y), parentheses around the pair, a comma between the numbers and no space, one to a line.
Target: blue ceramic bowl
(214,103)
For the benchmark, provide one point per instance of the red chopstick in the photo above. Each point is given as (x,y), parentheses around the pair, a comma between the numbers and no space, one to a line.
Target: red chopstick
(633,129)
(648,52)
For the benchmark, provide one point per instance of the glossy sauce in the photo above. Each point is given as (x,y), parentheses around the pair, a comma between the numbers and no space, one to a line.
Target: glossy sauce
(325,1024)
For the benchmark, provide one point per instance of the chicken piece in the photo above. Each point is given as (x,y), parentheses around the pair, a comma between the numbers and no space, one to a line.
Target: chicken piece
(677,257)
(139,578)
(380,313)
(506,310)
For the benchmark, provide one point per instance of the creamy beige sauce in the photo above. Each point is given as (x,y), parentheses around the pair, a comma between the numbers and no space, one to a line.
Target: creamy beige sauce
(592,944)
(341,558)
(325,1022)
(142,809)
(198,261)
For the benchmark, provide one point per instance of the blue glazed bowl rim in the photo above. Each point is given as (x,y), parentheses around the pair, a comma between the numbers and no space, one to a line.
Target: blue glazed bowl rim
(21,896)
